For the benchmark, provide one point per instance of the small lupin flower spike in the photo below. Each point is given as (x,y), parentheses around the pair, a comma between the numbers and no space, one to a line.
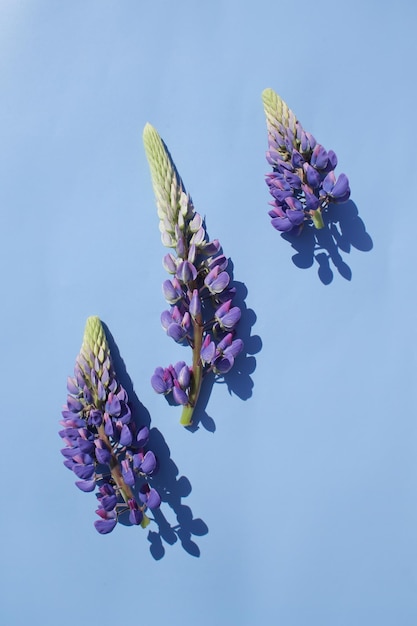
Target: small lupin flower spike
(201,310)
(302,182)
(103,447)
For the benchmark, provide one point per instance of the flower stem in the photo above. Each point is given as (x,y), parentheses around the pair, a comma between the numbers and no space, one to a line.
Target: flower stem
(116,473)
(197,374)
(317,218)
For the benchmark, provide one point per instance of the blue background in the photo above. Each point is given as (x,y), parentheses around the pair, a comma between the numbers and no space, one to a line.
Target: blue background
(295,500)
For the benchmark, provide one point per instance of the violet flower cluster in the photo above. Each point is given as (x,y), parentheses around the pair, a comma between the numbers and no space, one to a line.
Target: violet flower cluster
(303,182)
(201,312)
(103,447)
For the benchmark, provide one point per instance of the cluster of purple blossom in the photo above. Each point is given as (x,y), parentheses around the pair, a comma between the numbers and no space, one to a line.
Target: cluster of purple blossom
(103,447)
(201,314)
(303,182)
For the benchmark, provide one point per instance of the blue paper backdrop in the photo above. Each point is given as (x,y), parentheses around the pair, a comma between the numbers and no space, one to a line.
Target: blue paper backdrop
(295,501)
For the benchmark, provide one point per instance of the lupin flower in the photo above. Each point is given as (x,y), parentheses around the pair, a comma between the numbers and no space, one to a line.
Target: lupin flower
(302,182)
(201,312)
(103,447)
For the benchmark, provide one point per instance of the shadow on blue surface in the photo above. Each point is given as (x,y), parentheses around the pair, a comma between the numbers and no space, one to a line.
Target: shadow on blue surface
(343,230)
(171,489)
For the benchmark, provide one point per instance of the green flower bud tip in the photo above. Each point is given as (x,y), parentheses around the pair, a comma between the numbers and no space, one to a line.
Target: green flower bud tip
(94,340)
(164,179)
(276,110)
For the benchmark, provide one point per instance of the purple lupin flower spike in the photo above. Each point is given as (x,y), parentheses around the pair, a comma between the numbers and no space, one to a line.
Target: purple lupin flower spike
(302,182)
(102,446)
(199,295)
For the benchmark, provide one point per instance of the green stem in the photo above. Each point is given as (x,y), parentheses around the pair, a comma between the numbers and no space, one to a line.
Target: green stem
(125,490)
(197,373)
(317,218)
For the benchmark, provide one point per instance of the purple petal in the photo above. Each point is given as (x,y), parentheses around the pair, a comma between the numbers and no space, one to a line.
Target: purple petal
(85,445)
(160,384)
(74,405)
(220,261)
(103,455)
(85,472)
(113,406)
(177,368)
(176,332)
(180,247)
(297,159)
(332,159)
(154,499)
(280,195)
(142,436)
(104,526)
(312,202)
(312,175)
(125,414)
(282,224)
(125,436)
(329,182)
(127,473)
(195,304)
(192,253)
(88,396)
(319,157)
(186,272)
(171,294)
(211,248)
(223,364)
(230,319)
(166,319)
(235,348)
(220,283)
(86,485)
(294,204)
(107,490)
(296,217)
(108,502)
(69,453)
(198,237)
(71,420)
(135,516)
(293,180)
(184,377)
(169,263)
(101,392)
(179,395)
(108,426)
(208,350)
(72,386)
(122,394)
(69,463)
(341,189)
(186,321)
(149,463)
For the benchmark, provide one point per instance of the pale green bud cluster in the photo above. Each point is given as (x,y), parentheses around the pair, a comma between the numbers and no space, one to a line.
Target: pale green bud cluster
(277,111)
(94,341)
(175,208)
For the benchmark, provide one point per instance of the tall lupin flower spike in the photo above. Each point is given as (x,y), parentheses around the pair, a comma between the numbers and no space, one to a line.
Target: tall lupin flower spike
(103,447)
(201,312)
(302,182)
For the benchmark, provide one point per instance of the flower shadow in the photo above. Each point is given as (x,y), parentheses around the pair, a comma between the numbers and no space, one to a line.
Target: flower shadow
(170,487)
(343,231)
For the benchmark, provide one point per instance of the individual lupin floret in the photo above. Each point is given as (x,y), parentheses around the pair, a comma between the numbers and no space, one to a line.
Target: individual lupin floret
(302,182)
(103,447)
(201,312)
